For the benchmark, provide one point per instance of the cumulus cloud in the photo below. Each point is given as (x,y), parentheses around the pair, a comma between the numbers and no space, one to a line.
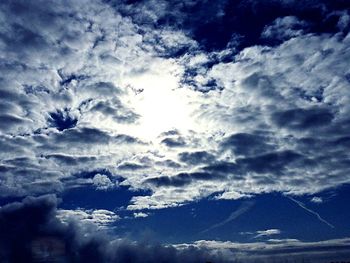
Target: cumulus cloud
(92,87)
(69,108)
(31,231)
(165,99)
(99,217)
(102,182)
(283,127)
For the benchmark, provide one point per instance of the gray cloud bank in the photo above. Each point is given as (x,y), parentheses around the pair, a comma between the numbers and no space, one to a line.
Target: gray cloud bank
(32,231)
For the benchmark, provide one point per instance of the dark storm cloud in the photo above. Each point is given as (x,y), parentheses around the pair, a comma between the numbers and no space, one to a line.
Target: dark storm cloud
(183,179)
(103,88)
(222,167)
(23,39)
(174,142)
(123,138)
(116,110)
(7,121)
(274,164)
(171,133)
(30,30)
(261,85)
(169,163)
(31,232)
(85,136)
(82,136)
(194,158)
(247,144)
(12,105)
(70,160)
(132,166)
(303,119)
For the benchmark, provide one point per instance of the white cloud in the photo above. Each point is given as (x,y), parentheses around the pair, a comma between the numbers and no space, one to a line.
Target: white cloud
(140,214)
(278,249)
(284,28)
(275,118)
(268,232)
(102,182)
(317,200)
(100,217)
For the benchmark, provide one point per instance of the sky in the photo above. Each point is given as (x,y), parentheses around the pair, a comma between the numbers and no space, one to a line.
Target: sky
(174,131)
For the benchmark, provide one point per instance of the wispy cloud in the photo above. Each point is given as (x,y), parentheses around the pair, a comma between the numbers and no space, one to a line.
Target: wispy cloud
(311,212)
(268,232)
(243,208)
(277,250)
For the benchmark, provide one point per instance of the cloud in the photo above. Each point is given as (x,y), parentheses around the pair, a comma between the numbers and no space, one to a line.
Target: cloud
(140,215)
(247,144)
(99,217)
(131,166)
(117,111)
(302,119)
(174,142)
(209,28)
(284,28)
(32,231)
(70,160)
(317,200)
(267,233)
(81,85)
(263,234)
(166,98)
(243,208)
(312,212)
(185,178)
(102,182)
(280,141)
(194,158)
(279,249)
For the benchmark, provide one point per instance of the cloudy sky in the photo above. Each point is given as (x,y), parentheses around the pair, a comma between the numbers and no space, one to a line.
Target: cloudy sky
(174,131)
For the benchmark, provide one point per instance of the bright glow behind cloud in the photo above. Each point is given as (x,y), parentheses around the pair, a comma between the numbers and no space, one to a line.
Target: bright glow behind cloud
(161,104)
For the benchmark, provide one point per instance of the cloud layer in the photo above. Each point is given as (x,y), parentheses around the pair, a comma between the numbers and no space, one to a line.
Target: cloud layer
(45,237)
(93,93)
